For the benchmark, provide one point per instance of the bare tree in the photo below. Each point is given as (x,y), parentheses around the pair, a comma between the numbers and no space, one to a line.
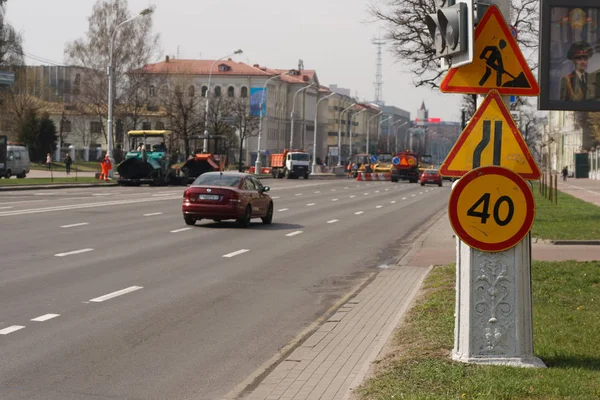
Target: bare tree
(183,110)
(11,42)
(245,123)
(412,45)
(134,46)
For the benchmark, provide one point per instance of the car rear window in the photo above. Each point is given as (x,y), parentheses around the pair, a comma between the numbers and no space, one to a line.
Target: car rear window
(431,172)
(218,180)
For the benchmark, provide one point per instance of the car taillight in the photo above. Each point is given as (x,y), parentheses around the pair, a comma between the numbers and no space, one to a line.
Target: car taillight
(186,194)
(234,197)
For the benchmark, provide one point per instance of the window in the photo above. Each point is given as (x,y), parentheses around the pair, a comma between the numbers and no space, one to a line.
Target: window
(210,178)
(204,90)
(95,127)
(152,91)
(160,126)
(224,68)
(244,93)
(146,126)
(257,184)
(178,90)
(217,91)
(164,91)
(249,185)
(230,91)
(191,91)
(66,126)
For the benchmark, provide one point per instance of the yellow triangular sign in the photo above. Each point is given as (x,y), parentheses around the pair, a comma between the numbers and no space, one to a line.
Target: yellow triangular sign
(491,138)
(497,63)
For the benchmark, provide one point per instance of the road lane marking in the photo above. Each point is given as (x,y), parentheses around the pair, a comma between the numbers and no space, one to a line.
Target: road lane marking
(393,202)
(6,208)
(379,207)
(345,187)
(72,253)
(366,194)
(74,225)
(298,194)
(46,317)
(334,199)
(294,233)
(420,192)
(116,294)
(310,204)
(152,214)
(377,191)
(353,196)
(44,194)
(333,190)
(359,212)
(387,189)
(101,194)
(236,253)
(275,197)
(181,230)
(404,198)
(283,209)
(333,221)
(11,329)
(413,195)
(318,191)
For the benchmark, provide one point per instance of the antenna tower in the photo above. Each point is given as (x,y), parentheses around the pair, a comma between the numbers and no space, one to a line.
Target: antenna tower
(379,74)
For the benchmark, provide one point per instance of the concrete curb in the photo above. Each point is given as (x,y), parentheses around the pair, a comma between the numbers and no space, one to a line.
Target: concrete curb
(576,242)
(54,186)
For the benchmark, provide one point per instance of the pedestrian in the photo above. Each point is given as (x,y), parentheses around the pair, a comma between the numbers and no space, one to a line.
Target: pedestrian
(565,171)
(68,162)
(48,161)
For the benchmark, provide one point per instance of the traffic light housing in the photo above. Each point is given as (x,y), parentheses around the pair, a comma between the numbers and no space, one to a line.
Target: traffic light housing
(451,29)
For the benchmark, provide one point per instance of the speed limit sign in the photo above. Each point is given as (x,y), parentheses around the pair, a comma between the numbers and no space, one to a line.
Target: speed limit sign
(491,208)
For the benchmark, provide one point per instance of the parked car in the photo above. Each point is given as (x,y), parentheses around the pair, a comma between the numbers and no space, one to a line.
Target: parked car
(17,161)
(225,196)
(431,176)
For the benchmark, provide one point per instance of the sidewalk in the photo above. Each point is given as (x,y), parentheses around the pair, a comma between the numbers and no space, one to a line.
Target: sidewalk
(336,358)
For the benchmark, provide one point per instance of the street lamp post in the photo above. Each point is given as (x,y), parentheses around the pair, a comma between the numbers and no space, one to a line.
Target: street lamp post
(205,141)
(351,126)
(293,113)
(257,166)
(314,162)
(109,144)
(368,126)
(339,163)
(396,137)
(379,128)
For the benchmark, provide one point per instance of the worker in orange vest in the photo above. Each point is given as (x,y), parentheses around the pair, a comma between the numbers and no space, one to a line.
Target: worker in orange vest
(106,166)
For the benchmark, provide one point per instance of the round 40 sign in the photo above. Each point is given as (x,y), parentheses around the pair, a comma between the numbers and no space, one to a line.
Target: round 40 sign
(491,208)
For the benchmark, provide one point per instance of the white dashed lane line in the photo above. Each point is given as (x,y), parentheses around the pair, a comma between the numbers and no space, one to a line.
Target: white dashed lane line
(393,202)
(298,194)
(334,199)
(283,209)
(413,195)
(333,221)
(352,196)
(6,208)
(152,214)
(11,329)
(116,294)
(44,194)
(359,213)
(236,253)
(75,225)
(181,230)
(317,191)
(72,253)
(378,206)
(294,233)
(366,194)
(46,317)
(275,197)
(404,198)
(101,194)
(310,204)
(387,190)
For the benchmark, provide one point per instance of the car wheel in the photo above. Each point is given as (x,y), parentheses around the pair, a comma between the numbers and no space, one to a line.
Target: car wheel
(8,174)
(422,184)
(244,221)
(440,184)
(267,219)
(189,220)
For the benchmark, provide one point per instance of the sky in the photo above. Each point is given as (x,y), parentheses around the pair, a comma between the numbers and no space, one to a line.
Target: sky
(332,37)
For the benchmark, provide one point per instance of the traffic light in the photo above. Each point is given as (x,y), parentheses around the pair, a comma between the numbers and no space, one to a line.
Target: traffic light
(451,29)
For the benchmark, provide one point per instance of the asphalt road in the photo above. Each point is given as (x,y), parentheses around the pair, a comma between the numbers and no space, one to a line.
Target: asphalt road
(107,294)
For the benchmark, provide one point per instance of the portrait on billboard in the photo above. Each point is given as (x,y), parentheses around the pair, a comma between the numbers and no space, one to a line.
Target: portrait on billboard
(570,55)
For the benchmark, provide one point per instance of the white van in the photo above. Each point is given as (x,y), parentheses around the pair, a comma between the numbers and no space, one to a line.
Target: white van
(17,161)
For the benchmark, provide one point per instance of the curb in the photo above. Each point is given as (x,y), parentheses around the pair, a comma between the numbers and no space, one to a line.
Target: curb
(576,242)
(55,186)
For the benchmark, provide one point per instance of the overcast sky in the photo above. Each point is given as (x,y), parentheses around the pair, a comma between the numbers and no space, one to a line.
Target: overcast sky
(331,36)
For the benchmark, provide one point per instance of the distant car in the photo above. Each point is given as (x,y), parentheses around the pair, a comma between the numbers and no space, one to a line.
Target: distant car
(431,176)
(225,196)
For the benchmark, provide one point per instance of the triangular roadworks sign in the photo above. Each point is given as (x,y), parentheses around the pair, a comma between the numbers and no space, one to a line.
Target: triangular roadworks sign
(491,138)
(497,63)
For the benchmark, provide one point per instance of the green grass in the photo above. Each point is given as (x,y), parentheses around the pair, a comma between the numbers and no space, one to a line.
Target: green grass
(48,181)
(566,302)
(570,219)
(89,166)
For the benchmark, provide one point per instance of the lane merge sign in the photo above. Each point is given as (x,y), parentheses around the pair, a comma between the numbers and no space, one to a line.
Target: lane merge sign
(491,138)
(491,208)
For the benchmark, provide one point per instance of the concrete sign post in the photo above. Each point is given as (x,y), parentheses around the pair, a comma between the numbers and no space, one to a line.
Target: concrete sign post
(491,210)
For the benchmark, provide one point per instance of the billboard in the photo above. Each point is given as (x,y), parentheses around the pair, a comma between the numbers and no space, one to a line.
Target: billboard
(256,96)
(570,55)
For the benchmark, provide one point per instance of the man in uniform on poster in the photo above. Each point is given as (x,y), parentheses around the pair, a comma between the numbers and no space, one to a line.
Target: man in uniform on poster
(579,84)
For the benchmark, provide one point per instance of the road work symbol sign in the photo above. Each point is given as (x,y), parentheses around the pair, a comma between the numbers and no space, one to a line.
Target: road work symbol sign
(497,63)
(491,138)
(491,208)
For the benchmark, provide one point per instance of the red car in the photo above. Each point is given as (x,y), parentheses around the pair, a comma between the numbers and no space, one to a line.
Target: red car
(431,176)
(230,195)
